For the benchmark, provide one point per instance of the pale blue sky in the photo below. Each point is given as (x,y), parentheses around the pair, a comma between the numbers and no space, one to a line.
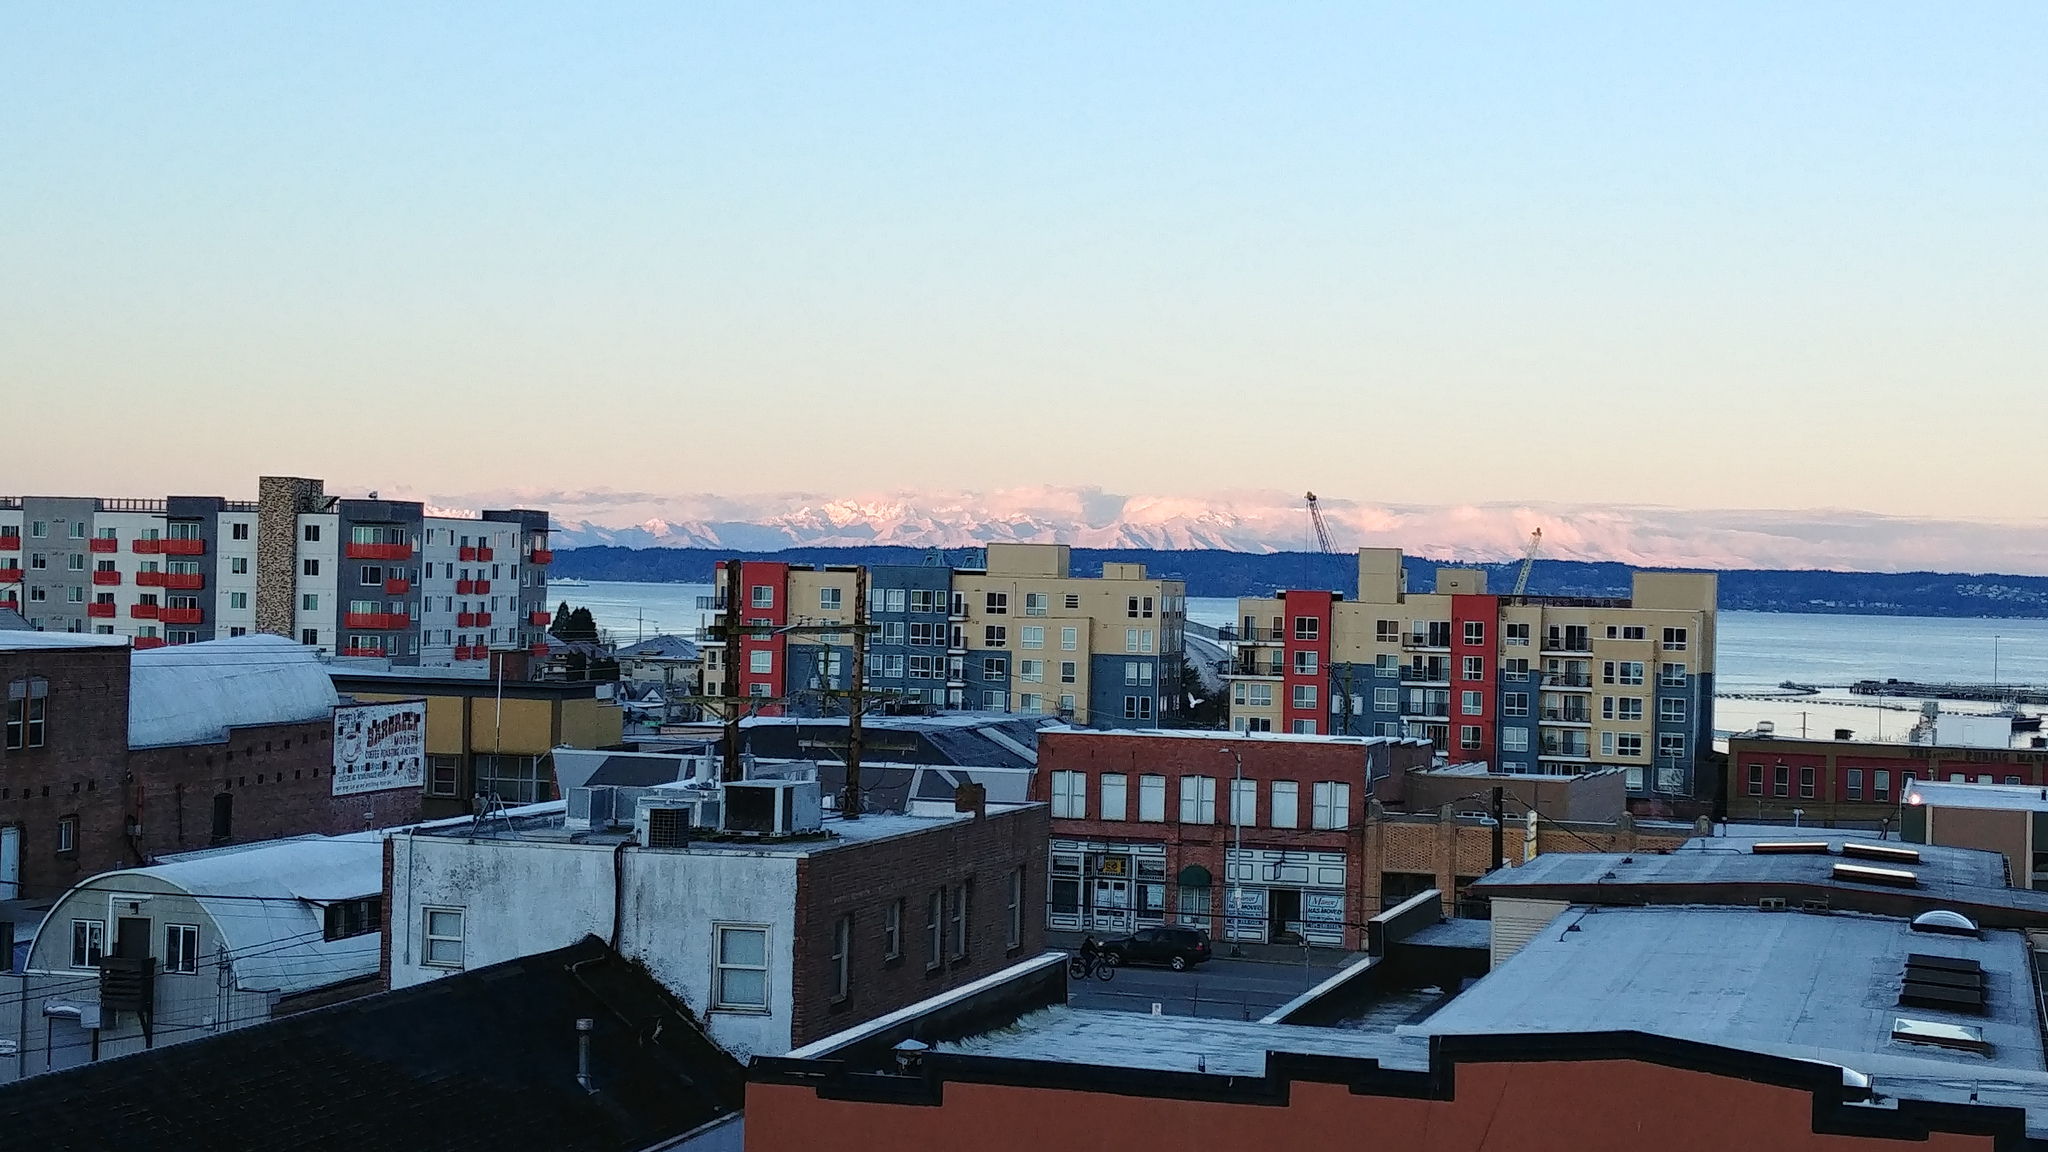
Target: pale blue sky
(1719,255)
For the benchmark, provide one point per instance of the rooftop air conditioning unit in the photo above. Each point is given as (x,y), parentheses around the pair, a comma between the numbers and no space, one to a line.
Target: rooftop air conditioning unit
(590,809)
(664,818)
(772,807)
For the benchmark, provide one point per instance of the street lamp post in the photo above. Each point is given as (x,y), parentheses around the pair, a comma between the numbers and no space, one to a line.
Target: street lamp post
(1237,850)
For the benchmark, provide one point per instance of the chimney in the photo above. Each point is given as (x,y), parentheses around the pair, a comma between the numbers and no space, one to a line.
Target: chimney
(584,1024)
(971,798)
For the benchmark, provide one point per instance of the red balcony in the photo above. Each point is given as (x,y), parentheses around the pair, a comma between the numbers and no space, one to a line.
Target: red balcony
(10,543)
(10,574)
(100,611)
(482,586)
(176,547)
(539,619)
(142,611)
(149,641)
(465,587)
(462,651)
(543,556)
(375,621)
(465,619)
(363,652)
(485,554)
(184,581)
(181,615)
(378,551)
(103,544)
(146,547)
(396,587)
(106,579)
(483,619)
(149,579)
(466,553)
(537,651)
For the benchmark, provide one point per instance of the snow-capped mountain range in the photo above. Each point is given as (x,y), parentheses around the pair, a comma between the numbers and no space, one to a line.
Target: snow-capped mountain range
(1265,521)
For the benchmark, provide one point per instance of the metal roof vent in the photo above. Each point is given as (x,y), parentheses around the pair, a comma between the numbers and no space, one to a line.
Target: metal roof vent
(1948,983)
(1945,922)
(1958,1036)
(1865,874)
(1880,852)
(1789,848)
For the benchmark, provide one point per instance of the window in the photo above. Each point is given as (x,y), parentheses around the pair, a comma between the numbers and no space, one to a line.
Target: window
(443,932)
(1475,667)
(1629,708)
(1439,635)
(1781,781)
(1259,695)
(995,668)
(311,534)
(1386,699)
(763,596)
(892,931)
(934,928)
(1198,800)
(1244,802)
(1137,672)
(1332,808)
(1070,795)
(1069,671)
(1152,800)
(1672,676)
(1304,696)
(1286,798)
(238,599)
(1514,739)
(958,925)
(994,636)
(27,698)
(1621,672)
(238,531)
(1472,704)
(927,635)
(998,603)
(181,948)
(1014,921)
(74,562)
(1113,788)
(1880,784)
(1031,637)
(923,600)
(1307,628)
(1671,710)
(740,968)
(88,942)
(1475,632)
(1137,707)
(761,660)
(1067,704)
(1031,671)
(1384,631)
(1468,737)
(1607,743)
(442,773)
(37,560)
(67,832)
(1674,639)
(1852,784)
(1305,663)
(1070,639)
(311,567)
(1756,779)
(346,918)
(829,599)
(1671,745)
(1036,604)
(1628,744)
(1516,669)
(1514,704)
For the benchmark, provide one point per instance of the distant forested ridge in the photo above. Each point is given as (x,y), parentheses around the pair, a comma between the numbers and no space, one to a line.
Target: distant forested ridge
(1218,573)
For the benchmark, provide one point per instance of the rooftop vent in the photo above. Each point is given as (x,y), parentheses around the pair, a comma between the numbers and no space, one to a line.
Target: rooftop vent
(1880,852)
(772,807)
(1789,847)
(1949,983)
(1865,874)
(1945,922)
(1958,1036)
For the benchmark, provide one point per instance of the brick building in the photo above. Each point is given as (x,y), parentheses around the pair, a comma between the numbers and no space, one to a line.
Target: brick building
(1857,781)
(123,756)
(773,941)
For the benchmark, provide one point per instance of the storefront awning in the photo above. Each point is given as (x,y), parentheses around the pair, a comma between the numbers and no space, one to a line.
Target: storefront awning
(1194,876)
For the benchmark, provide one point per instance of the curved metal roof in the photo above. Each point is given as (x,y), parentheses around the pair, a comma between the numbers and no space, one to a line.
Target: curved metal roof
(193,693)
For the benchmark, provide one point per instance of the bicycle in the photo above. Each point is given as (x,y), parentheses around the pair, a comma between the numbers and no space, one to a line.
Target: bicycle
(1080,966)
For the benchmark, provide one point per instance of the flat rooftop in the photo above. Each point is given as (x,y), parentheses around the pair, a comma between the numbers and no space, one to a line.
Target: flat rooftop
(545,823)
(1230,737)
(20,640)
(1706,860)
(1954,794)
(1065,1035)
(1809,986)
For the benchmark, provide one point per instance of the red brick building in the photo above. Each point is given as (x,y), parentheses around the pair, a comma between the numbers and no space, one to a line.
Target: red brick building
(1146,829)
(1860,781)
(119,757)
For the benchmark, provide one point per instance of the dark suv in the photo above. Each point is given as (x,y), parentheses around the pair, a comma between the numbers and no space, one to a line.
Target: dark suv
(1177,948)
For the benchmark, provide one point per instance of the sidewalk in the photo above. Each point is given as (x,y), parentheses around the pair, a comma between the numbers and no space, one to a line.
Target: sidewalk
(1324,958)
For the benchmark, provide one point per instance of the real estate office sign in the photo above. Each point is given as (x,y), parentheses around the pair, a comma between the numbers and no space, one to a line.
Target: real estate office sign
(378,747)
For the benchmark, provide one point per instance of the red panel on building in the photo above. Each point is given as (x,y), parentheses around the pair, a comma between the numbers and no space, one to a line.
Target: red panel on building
(1306,640)
(764,605)
(1475,624)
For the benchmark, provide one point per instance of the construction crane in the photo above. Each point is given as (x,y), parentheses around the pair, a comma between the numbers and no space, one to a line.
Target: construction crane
(1528,560)
(1315,516)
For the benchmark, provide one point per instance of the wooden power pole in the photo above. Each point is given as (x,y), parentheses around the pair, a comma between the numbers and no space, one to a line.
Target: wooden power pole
(732,769)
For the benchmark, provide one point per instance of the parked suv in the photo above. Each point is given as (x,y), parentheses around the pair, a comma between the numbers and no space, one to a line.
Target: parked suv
(1177,948)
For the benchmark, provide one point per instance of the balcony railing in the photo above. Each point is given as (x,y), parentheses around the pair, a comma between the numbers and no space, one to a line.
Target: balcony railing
(1567,716)
(1423,640)
(543,556)
(10,573)
(466,553)
(375,621)
(149,642)
(10,543)
(103,544)
(465,587)
(146,547)
(181,616)
(102,611)
(465,619)
(1553,644)
(183,581)
(1575,748)
(539,619)
(1567,679)
(397,587)
(149,579)
(142,611)
(1425,674)
(483,619)
(482,586)
(106,579)
(355,551)
(486,554)
(184,547)
(1443,709)
(364,651)
(1258,668)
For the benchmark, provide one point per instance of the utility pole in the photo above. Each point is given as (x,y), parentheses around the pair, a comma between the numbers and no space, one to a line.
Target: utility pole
(731,770)
(849,804)
(1500,850)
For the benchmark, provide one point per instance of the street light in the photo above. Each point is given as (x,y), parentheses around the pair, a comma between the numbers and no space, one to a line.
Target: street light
(1237,850)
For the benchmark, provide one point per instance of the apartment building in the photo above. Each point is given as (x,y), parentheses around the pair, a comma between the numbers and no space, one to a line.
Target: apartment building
(1019,634)
(1535,684)
(350,577)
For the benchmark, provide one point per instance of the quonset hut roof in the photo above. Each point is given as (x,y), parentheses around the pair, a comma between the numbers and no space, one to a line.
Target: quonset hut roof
(194,693)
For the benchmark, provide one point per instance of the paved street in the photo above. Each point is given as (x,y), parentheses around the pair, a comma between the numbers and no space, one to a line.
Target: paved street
(1235,989)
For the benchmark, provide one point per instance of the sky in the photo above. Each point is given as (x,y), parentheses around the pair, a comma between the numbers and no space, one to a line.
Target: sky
(1704,256)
